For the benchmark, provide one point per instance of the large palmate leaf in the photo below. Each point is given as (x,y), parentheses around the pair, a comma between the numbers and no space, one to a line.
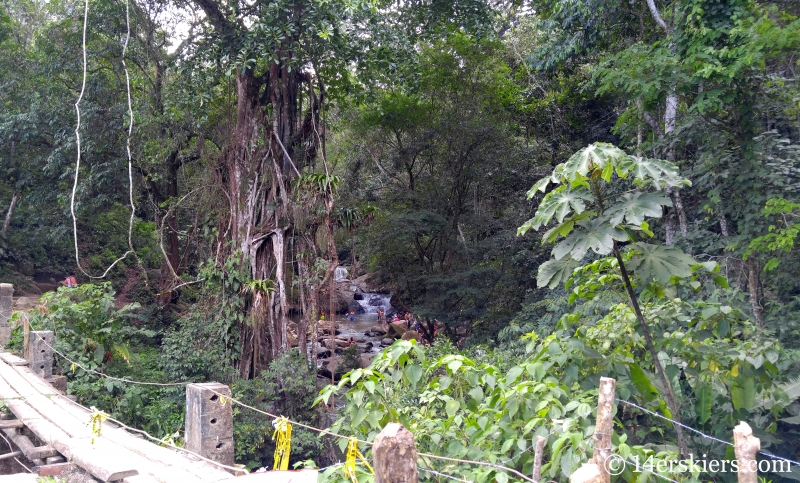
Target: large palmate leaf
(633,207)
(557,177)
(597,234)
(559,203)
(554,272)
(658,172)
(659,262)
(593,157)
(563,229)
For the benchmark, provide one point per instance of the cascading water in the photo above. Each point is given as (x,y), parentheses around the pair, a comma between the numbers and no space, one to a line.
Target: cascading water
(340,274)
(372,301)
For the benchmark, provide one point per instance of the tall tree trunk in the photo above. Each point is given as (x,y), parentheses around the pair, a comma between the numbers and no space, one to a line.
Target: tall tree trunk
(670,115)
(10,213)
(753,285)
(14,198)
(171,268)
(258,167)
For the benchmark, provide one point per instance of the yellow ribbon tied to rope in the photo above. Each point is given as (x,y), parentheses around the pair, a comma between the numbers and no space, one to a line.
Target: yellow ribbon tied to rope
(96,419)
(350,463)
(283,443)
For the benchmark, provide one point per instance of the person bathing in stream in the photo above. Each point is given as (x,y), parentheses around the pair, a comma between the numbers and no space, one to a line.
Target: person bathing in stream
(352,316)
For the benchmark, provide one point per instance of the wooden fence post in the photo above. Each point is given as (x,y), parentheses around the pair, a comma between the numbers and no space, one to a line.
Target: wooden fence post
(394,455)
(745,446)
(6,306)
(40,353)
(537,458)
(597,469)
(209,421)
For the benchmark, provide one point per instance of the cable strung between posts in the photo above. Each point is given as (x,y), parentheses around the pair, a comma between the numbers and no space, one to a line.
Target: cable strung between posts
(158,440)
(323,432)
(697,431)
(78,145)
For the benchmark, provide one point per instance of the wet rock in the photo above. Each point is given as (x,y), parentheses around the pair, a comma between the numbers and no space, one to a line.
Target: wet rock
(366,360)
(412,335)
(387,342)
(375,330)
(397,330)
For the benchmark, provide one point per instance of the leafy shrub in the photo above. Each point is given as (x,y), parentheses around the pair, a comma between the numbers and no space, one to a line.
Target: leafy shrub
(286,388)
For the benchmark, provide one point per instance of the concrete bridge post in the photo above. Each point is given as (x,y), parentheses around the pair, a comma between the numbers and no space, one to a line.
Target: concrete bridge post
(40,353)
(6,304)
(209,421)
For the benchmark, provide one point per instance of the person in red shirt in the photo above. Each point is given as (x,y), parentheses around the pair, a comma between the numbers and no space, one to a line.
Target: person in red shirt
(70,281)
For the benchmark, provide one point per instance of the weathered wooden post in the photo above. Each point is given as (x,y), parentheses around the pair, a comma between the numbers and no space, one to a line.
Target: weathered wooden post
(6,305)
(537,459)
(40,353)
(209,421)
(745,446)
(597,469)
(394,455)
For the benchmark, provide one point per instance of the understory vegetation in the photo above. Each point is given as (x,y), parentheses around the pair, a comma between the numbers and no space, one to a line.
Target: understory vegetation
(569,189)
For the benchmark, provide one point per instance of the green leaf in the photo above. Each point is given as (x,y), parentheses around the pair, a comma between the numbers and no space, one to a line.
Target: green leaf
(646,171)
(513,374)
(451,407)
(413,372)
(642,382)
(634,207)
(743,392)
(596,235)
(792,420)
(703,403)
(593,157)
(540,185)
(555,272)
(659,262)
(558,203)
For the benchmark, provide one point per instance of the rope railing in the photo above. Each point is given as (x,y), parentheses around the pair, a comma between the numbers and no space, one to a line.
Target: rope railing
(700,433)
(326,432)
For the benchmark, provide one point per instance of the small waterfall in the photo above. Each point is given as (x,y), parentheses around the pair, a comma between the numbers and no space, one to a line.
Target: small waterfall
(340,274)
(372,301)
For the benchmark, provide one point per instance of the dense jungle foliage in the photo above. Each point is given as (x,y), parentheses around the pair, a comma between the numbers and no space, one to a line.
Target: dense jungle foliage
(571,189)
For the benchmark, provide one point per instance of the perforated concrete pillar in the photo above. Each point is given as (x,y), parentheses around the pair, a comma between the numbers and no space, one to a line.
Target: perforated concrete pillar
(6,304)
(209,421)
(40,353)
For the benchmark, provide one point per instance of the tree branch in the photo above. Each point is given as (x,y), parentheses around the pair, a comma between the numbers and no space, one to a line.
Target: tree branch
(215,15)
(656,15)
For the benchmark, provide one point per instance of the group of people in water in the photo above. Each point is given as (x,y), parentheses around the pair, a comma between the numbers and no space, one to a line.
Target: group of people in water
(404,318)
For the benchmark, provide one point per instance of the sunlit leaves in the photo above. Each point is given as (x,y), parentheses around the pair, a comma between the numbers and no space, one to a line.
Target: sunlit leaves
(634,207)
(657,172)
(593,158)
(595,234)
(558,203)
(660,263)
(552,273)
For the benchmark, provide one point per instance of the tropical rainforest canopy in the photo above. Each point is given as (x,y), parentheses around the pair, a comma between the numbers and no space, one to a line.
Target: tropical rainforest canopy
(571,189)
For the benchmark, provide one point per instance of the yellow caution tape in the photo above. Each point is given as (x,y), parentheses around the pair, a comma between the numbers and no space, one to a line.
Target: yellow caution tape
(96,419)
(283,444)
(350,462)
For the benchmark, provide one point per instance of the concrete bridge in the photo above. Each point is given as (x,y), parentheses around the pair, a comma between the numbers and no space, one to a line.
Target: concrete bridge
(48,430)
